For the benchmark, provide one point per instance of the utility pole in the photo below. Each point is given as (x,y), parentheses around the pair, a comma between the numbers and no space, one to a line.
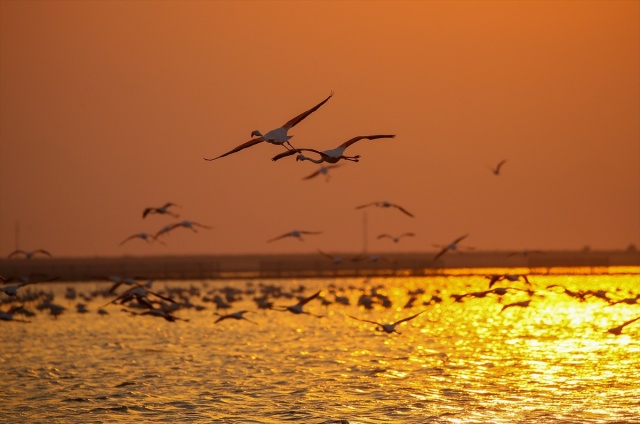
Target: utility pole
(364,232)
(17,234)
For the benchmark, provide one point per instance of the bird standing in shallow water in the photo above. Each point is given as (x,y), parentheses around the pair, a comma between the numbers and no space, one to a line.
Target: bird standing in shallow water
(278,136)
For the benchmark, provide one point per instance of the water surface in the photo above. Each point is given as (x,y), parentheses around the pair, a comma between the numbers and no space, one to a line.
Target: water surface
(458,362)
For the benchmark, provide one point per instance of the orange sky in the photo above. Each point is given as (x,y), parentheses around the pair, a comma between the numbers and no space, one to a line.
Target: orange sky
(107,107)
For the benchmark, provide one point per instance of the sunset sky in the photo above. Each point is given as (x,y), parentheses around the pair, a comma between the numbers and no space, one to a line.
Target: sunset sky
(108,107)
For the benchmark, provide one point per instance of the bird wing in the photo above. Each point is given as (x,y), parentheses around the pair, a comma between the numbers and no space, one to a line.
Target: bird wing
(291,152)
(16,252)
(147,211)
(249,143)
(315,174)
(325,254)
(407,235)
(295,121)
(279,237)
(442,252)
(366,205)
(311,232)
(407,318)
(222,318)
(404,210)
(44,252)
(312,175)
(499,165)
(310,298)
(363,320)
(368,137)
(631,321)
(201,225)
(168,299)
(384,236)
(459,239)
(128,238)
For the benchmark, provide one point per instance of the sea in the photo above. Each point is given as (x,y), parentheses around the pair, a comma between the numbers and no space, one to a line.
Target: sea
(558,347)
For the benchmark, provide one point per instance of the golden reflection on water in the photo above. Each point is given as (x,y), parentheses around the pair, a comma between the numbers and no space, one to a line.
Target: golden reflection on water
(467,361)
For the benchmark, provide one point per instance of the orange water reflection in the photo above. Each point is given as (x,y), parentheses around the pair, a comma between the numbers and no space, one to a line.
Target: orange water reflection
(467,361)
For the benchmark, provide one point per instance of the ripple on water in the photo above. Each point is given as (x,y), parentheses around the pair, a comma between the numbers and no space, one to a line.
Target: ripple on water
(458,362)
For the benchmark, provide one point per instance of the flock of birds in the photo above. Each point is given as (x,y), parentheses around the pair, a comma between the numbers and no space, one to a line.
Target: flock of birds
(139,299)
(328,159)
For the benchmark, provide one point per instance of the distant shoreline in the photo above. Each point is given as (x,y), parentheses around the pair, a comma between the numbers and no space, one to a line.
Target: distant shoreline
(304,265)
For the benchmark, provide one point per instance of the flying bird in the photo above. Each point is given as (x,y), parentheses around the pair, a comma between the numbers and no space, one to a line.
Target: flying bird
(388,328)
(13,289)
(297,308)
(324,170)
(277,136)
(162,210)
(235,315)
(618,330)
(295,233)
(335,259)
(186,224)
(149,238)
(386,205)
(522,304)
(159,313)
(28,254)
(142,295)
(395,238)
(496,170)
(451,246)
(525,253)
(333,155)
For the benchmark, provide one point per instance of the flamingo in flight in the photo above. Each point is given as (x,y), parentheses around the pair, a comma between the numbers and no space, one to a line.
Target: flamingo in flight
(186,224)
(163,210)
(234,315)
(388,328)
(149,238)
(295,233)
(386,205)
(333,155)
(324,170)
(28,254)
(618,330)
(335,259)
(496,170)
(13,289)
(297,308)
(277,136)
(451,246)
(395,239)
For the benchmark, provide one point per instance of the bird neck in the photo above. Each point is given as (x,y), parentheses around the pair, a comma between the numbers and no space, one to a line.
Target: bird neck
(302,157)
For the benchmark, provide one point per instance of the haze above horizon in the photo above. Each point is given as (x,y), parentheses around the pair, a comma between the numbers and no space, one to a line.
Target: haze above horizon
(107,108)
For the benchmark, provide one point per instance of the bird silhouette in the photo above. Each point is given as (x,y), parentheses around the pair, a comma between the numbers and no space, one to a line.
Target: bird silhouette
(278,136)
